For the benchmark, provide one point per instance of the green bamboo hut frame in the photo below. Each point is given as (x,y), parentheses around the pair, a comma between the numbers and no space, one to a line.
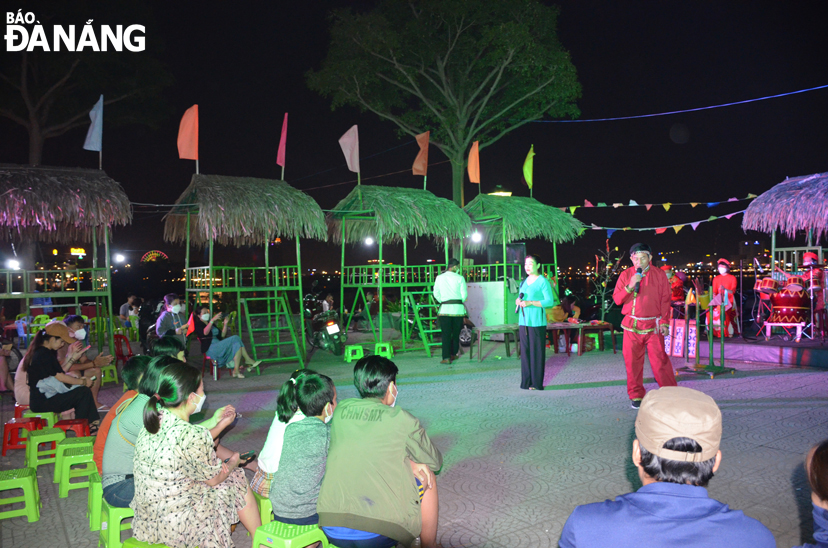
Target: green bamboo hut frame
(246,211)
(393,215)
(507,219)
(64,206)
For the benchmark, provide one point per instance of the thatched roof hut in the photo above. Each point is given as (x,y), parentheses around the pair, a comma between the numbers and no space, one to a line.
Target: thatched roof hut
(397,214)
(58,204)
(795,204)
(518,219)
(243,211)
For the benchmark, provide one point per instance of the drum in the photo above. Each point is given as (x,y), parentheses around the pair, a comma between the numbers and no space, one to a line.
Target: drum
(795,283)
(790,306)
(757,285)
(814,278)
(769,286)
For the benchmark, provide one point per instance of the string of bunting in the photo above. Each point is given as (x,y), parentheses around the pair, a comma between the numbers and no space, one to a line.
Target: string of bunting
(666,205)
(663,229)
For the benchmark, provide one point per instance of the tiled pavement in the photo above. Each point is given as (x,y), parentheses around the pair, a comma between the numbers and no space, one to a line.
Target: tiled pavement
(517,462)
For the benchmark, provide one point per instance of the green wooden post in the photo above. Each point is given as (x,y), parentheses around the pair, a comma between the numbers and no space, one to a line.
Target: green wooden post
(210,273)
(341,278)
(109,290)
(505,284)
(187,263)
(379,292)
(773,252)
(301,307)
(557,285)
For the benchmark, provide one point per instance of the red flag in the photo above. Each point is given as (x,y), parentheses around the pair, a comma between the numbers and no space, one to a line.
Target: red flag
(474,164)
(188,135)
(280,156)
(190,325)
(350,148)
(420,166)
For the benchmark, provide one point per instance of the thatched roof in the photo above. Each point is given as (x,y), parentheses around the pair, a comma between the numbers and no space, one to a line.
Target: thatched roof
(524,219)
(796,204)
(397,213)
(57,204)
(243,211)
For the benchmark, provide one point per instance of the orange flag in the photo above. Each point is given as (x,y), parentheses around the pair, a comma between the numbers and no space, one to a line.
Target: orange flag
(474,164)
(420,166)
(188,135)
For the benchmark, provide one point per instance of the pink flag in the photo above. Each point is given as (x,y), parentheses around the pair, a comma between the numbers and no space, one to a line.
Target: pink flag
(648,206)
(661,230)
(350,148)
(695,225)
(474,164)
(280,156)
(188,135)
(420,166)
(587,203)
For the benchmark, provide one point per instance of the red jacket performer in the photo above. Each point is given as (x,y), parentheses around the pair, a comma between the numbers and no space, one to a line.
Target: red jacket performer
(725,281)
(646,322)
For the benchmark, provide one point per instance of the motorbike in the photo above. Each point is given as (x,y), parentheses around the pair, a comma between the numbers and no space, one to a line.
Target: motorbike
(324,328)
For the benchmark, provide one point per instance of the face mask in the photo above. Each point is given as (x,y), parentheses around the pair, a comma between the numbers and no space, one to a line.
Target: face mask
(205,318)
(722,270)
(394,403)
(200,404)
(80,334)
(176,309)
(327,417)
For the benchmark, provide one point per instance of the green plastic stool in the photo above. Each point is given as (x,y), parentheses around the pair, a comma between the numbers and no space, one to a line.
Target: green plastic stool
(93,504)
(75,456)
(384,349)
(265,508)
(109,373)
(49,417)
(69,443)
(47,435)
(26,479)
(353,352)
(111,524)
(281,535)
(135,543)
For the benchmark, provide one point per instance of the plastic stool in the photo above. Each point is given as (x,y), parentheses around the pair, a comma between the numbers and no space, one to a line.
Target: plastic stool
(384,349)
(281,535)
(14,430)
(135,543)
(65,445)
(93,503)
(47,435)
(79,426)
(18,410)
(72,457)
(109,373)
(49,417)
(26,479)
(111,524)
(265,507)
(353,352)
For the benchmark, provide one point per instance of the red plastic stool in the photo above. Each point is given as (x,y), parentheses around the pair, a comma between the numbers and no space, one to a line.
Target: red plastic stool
(215,370)
(79,426)
(123,351)
(18,410)
(11,432)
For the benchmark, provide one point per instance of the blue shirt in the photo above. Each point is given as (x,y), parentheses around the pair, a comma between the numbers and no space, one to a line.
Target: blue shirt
(665,515)
(820,529)
(538,290)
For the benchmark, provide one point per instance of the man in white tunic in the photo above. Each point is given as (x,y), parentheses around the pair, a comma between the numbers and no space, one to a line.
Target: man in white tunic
(450,291)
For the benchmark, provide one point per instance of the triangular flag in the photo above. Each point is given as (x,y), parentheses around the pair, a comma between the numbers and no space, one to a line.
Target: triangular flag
(595,227)
(712,204)
(610,232)
(648,206)
(188,135)
(617,205)
(712,218)
(667,206)
(601,204)
(190,325)
(280,155)
(95,133)
(562,209)
(733,199)
(729,216)
(694,204)
(633,203)
(749,196)
(474,163)
(626,228)
(350,148)
(572,209)
(695,225)
(420,166)
(661,230)
(529,166)
(587,203)
(677,228)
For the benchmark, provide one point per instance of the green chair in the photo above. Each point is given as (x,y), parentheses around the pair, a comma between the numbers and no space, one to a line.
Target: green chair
(134,543)
(47,435)
(265,508)
(109,373)
(112,524)
(353,352)
(63,446)
(384,349)
(281,535)
(39,323)
(48,416)
(75,456)
(93,503)
(25,479)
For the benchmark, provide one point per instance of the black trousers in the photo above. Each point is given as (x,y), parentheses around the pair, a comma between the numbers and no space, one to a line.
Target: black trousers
(80,399)
(450,327)
(532,356)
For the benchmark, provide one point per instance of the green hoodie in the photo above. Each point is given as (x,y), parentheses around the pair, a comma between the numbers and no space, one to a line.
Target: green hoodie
(368,483)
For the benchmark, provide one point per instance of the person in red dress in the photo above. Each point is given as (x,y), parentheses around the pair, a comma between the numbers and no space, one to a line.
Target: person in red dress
(725,281)
(676,285)
(646,320)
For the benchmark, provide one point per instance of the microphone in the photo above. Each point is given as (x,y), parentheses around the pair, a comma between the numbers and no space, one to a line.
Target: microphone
(758,266)
(518,306)
(638,283)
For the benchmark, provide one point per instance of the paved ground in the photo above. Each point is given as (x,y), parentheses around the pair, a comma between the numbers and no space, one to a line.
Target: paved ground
(518,462)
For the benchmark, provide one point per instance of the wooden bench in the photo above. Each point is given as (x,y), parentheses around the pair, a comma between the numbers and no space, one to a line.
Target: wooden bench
(507,330)
(582,329)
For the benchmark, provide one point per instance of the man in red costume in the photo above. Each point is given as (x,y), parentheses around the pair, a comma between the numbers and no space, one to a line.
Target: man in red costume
(646,310)
(676,285)
(816,276)
(725,281)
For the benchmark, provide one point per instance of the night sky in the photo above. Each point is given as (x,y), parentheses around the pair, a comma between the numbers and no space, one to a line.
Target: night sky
(245,64)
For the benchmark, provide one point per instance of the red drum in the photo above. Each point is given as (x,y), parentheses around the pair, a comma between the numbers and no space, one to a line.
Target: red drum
(790,307)
(814,278)
(769,286)
(795,283)
(757,285)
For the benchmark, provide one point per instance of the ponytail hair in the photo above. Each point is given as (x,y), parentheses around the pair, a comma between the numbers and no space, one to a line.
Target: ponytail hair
(36,343)
(313,392)
(286,405)
(175,384)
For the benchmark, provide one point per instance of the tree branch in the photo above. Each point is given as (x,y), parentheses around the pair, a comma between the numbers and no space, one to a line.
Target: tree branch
(51,132)
(7,113)
(24,82)
(482,106)
(61,128)
(57,84)
(513,127)
(515,103)
(9,81)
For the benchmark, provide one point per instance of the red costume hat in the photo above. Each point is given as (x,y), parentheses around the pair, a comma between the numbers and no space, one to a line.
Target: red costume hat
(724,262)
(812,256)
(666,267)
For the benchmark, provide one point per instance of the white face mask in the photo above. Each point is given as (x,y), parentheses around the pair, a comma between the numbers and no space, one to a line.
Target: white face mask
(176,309)
(200,404)
(80,334)
(397,390)
(327,417)
(722,270)
(205,318)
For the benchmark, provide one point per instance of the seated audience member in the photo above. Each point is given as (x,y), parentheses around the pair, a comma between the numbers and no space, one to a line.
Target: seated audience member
(217,345)
(379,487)
(169,346)
(295,486)
(676,452)
(132,373)
(84,366)
(172,320)
(816,466)
(6,382)
(185,495)
(287,412)
(48,390)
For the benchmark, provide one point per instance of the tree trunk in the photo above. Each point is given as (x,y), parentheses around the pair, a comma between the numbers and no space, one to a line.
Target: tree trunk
(457,179)
(35,145)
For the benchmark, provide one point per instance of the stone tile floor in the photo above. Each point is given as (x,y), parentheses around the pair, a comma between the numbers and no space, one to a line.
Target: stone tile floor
(518,462)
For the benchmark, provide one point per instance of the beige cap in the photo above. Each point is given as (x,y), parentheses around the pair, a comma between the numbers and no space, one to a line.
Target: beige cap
(59,329)
(678,412)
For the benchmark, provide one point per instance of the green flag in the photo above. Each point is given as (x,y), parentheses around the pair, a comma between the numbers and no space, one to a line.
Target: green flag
(528,166)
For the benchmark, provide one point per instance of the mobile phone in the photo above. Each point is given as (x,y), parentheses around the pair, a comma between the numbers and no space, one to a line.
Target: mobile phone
(250,455)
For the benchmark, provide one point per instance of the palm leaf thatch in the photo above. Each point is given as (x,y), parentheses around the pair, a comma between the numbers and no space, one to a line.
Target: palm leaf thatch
(243,211)
(397,214)
(796,204)
(523,219)
(56,204)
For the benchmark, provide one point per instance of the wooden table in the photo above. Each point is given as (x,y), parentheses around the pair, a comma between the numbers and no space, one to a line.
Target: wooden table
(507,329)
(581,328)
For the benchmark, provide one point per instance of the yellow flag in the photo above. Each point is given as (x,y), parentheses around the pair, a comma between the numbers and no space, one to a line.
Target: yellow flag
(677,228)
(667,206)
(529,166)
(694,204)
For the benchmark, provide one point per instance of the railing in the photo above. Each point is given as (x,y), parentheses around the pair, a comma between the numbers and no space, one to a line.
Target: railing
(392,275)
(86,280)
(237,278)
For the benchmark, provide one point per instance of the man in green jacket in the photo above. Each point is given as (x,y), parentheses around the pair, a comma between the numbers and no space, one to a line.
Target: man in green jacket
(379,487)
